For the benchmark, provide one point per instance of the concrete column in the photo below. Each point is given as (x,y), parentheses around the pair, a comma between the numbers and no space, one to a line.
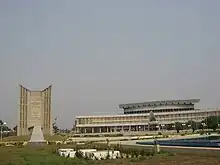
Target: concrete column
(122,128)
(114,129)
(85,130)
(100,130)
(77,130)
(92,129)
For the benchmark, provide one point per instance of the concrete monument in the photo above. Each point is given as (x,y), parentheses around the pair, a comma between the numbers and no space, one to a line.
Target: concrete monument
(34,108)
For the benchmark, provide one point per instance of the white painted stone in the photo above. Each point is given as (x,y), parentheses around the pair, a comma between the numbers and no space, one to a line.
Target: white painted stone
(84,151)
(37,135)
(103,154)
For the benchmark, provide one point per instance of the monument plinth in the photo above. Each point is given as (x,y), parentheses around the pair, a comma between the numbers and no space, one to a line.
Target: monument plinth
(37,137)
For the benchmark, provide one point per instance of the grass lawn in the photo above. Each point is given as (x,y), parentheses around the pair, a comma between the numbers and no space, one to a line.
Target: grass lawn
(46,156)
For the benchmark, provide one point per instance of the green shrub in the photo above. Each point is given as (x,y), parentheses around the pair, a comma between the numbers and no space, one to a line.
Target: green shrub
(160,133)
(2,144)
(182,134)
(165,136)
(141,158)
(202,132)
(79,154)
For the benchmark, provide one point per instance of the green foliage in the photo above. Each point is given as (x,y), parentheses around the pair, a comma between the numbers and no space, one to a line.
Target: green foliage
(4,127)
(182,134)
(201,132)
(194,125)
(212,122)
(160,133)
(169,126)
(178,126)
(55,127)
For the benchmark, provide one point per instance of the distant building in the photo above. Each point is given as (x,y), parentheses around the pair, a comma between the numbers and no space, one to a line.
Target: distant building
(144,117)
(34,109)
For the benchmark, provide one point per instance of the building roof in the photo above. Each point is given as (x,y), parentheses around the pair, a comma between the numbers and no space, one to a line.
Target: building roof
(156,103)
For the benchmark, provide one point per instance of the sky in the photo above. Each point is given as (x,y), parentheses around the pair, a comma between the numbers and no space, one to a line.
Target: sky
(98,54)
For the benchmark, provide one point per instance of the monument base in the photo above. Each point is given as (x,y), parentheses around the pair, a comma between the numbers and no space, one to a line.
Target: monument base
(37,137)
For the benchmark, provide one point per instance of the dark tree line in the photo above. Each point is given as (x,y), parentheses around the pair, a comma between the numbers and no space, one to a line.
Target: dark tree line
(211,122)
(6,128)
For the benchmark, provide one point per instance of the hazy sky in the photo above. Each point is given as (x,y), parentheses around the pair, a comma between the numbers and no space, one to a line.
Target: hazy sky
(98,54)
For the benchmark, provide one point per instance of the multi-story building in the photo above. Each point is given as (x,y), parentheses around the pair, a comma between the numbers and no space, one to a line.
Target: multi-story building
(34,109)
(142,116)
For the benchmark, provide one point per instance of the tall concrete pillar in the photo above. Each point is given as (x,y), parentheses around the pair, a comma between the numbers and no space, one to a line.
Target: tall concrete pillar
(158,127)
(92,129)
(77,130)
(122,129)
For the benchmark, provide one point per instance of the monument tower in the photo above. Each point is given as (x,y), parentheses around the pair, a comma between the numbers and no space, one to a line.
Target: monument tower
(34,110)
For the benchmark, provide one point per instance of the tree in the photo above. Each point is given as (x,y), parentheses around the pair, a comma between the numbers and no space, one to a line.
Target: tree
(178,126)
(55,127)
(4,127)
(169,126)
(212,122)
(15,128)
(200,126)
(194,125)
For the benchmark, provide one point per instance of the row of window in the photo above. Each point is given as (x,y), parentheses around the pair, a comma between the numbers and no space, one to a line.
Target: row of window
(125,119)
(133,121)
(158,111)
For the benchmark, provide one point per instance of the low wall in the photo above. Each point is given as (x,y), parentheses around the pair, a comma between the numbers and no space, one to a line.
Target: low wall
(178,150)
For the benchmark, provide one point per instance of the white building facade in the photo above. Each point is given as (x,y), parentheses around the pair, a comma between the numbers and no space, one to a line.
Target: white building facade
(144,117)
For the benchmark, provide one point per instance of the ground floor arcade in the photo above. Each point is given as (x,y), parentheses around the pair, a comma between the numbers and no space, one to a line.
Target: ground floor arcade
(122,129)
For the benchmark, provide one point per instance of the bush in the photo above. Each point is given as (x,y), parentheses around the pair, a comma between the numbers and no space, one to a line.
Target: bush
(142,158)
(51,143)
(201,132)
(19,144)
(160,133)
(165,136)
(2,144)
(79,154)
